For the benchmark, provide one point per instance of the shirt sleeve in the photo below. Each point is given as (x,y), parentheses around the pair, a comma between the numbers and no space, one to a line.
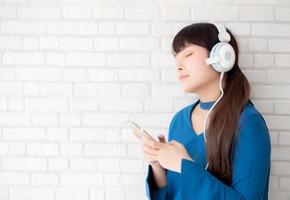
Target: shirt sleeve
(251,166)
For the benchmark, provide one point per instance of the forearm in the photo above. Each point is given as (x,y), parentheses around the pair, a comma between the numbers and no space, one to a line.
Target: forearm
(159,174)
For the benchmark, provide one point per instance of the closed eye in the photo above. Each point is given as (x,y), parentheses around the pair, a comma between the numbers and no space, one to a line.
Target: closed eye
(189,54)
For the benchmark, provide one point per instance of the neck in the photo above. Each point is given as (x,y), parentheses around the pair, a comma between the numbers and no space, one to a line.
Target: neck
(209,94)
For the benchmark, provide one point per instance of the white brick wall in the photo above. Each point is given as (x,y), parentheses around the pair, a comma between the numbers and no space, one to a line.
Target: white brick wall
(71,71)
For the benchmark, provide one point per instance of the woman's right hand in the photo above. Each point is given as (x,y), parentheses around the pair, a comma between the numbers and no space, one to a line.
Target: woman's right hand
(150,158)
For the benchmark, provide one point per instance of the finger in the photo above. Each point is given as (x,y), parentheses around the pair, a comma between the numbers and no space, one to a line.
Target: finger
(149,142)
(159,145)
(150,158)
(174,142)
(150,150)
(161,138)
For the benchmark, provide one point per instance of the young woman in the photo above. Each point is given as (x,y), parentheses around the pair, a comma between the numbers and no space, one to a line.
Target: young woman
(228,157)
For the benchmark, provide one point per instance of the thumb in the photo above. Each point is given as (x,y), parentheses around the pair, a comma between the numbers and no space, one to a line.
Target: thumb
(161,138)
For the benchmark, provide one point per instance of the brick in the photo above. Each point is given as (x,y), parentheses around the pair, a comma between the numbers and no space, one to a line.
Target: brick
(135,89)
(22,58)
(102,89)
(103,75)
(256,14)
(72,194)
(48,43)
(42,149)
(69,119)
(20,27)
(278,76)
(282,14)
(39,13)
(23,133)
(83,104)
(175,14)
(25,163)
(282,107)
(76,12)
(141,13)
(263,61)
(161,104)
(56,89)
(71,149)
(47,179)
(76,44)
(54,58)
(151,75)
(282,60)
(11,42)
(266,91)
(139,44)
(73,28)
(108,12)
(75,75)
(57,164)
(284,138)
(132,28)
(8,12)
(279,45)
(14,119)
(167,90)
(85,59)
(106,43)
(128,60)
(81,180)
(14,178)
(257,44)
(82,164)
(44,119)
(276,30)
(38,74)
(56,134)
(46,104)
(121,104)
(87,134)
(103,150)
(17,148)
(278,122)
(239,29)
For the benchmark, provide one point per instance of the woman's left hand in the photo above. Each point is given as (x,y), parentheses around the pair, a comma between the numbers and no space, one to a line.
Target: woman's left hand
(169,155)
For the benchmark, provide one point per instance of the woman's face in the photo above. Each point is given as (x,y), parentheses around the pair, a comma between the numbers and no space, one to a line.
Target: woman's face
(192,71)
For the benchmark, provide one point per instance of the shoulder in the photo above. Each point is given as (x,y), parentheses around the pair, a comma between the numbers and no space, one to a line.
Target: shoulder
(182,114)
(252,129)
(251,117)
(180,119)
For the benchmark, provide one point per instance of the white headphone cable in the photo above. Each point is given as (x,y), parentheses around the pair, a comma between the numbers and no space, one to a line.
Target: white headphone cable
(117,139)
(207,114)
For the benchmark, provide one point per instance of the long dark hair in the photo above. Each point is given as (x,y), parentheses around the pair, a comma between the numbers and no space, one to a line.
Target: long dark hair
(224,118)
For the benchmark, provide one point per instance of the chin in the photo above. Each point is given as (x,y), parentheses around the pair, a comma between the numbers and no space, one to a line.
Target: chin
(188,89)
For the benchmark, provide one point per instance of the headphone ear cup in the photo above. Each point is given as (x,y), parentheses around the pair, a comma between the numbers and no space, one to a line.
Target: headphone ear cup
(225,55)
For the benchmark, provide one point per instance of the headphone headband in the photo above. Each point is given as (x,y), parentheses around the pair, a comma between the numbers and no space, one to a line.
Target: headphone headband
(223,35)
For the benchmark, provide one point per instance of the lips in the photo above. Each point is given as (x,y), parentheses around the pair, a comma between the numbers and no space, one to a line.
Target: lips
(182,77)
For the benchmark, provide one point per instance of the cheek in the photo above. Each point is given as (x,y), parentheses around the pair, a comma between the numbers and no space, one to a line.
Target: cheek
(197,67)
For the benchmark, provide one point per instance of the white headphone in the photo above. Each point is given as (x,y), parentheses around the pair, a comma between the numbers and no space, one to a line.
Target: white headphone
(222,56)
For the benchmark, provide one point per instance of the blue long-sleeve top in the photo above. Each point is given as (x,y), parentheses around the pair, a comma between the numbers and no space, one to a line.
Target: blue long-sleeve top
(250,164)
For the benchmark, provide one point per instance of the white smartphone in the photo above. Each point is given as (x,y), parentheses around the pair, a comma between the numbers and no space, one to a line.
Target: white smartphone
(139,132)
